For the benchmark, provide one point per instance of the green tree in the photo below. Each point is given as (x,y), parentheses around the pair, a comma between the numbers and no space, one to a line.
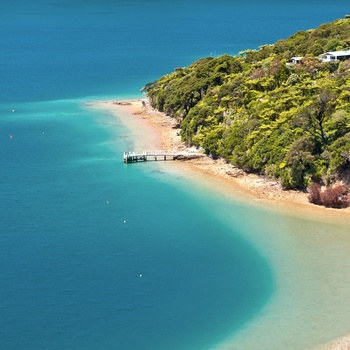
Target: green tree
(300,162)
(312,117)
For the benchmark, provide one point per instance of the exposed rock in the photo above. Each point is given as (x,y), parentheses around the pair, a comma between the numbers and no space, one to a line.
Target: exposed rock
(235,173)
(188,156)
(122,103)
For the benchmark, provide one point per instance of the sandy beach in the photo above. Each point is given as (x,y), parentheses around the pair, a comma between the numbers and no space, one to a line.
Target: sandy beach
(158,131)
(162,134)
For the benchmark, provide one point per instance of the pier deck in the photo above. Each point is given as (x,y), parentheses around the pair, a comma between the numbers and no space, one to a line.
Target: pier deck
(133,157)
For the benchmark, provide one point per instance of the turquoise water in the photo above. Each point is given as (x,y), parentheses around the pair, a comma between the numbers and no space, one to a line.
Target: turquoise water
(97,254)
(75,275)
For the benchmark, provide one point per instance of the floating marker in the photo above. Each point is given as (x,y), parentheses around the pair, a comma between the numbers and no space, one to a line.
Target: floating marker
(10,136)
(124,221)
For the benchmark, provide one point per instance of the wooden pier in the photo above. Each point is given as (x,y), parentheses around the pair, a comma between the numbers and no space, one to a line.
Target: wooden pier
(133,157)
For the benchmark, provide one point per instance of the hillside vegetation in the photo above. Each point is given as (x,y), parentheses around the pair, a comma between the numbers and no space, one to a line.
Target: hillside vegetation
(257,111)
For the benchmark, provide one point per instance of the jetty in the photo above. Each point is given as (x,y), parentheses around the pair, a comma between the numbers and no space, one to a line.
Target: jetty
(134,157)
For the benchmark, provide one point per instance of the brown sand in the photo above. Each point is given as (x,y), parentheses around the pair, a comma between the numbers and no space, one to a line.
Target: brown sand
(340,344)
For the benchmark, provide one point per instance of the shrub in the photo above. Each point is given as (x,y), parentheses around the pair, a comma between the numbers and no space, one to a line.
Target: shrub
(293,79)
(336,196)
(315,194)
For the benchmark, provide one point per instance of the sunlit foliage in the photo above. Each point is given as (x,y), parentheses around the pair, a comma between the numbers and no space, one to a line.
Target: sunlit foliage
(264,114)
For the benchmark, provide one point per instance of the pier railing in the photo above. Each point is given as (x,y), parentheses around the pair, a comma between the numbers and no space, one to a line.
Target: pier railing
(134,157)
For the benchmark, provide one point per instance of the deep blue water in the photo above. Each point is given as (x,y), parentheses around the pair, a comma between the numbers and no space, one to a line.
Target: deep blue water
(96,254)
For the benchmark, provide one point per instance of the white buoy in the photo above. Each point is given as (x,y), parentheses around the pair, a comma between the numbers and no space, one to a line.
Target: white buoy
(124,221)
(140,275)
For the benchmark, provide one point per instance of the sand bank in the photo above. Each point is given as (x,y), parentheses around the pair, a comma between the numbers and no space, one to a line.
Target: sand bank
(309,260)
(158,131)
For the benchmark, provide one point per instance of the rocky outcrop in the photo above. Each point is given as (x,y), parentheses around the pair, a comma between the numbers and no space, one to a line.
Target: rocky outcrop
(188,156)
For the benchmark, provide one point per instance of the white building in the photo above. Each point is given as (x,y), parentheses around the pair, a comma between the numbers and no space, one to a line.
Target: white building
(296,60)
(333,56)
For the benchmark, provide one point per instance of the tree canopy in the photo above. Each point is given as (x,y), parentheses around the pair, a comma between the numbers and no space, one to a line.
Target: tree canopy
(264,114)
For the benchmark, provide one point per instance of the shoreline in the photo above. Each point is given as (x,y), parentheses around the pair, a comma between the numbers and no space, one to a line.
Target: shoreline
(154,130)
(162,134)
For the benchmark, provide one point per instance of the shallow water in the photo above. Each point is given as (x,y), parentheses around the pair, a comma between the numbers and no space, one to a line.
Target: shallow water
(98,252)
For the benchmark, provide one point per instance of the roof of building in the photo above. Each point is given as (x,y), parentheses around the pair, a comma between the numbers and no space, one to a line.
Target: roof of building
(337,53)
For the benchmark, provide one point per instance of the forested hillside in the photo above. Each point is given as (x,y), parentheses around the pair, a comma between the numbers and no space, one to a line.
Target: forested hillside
(264,114)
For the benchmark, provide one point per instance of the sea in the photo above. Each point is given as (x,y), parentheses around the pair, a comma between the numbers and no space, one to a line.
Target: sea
(98,254)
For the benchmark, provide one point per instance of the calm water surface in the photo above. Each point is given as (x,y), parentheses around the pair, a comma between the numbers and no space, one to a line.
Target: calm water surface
(96,254)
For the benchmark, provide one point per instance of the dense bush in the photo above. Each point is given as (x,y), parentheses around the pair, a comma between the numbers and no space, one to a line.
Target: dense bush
(315,194)
(290,122)
(336,196)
